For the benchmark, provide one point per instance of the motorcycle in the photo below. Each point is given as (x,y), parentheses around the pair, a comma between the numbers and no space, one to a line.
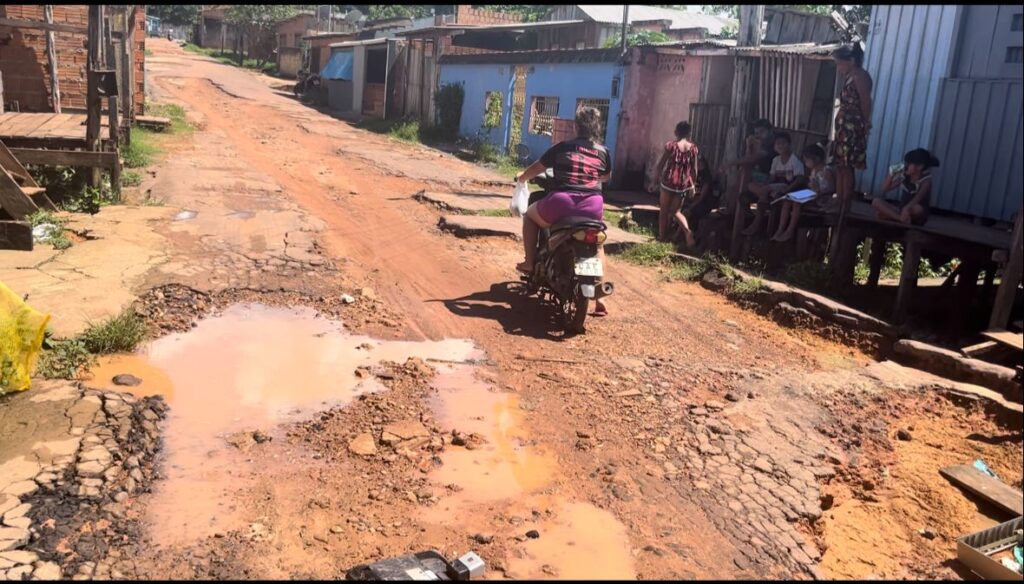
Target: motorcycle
(306,81)
(568,271)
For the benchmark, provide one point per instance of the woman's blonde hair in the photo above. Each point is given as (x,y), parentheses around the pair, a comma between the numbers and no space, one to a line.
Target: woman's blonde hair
(588,124)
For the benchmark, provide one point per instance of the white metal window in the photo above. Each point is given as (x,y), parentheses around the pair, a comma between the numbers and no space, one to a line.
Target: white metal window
(602,106)
(543,111)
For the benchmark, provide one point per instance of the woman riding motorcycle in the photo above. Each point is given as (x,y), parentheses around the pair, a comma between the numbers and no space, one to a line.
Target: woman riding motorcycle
(580,166)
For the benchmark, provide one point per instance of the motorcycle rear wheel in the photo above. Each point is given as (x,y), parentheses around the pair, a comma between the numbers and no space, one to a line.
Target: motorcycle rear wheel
(574,312)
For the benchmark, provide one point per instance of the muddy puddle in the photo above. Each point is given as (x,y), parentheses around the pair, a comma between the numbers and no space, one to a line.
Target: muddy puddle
(577,540)
(253,367)
(250,368)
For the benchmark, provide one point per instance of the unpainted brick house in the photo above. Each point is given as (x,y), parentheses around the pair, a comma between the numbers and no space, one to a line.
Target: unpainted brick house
(25,67)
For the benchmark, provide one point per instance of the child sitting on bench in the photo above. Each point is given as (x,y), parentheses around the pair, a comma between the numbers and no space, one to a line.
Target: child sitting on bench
(821,179)
(915,177)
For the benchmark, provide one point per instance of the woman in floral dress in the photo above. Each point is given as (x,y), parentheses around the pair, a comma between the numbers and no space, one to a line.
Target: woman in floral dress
(853,120)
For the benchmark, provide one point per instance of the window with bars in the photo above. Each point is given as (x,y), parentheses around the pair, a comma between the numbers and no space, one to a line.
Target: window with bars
(543,111)
(602,106)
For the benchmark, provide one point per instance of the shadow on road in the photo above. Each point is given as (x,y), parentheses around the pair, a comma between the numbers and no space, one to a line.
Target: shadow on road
(508,304)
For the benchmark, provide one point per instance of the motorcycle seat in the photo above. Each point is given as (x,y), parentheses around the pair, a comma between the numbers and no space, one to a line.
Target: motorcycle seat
(578,223)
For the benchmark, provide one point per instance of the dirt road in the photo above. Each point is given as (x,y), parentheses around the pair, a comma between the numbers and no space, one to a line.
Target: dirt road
(681,437)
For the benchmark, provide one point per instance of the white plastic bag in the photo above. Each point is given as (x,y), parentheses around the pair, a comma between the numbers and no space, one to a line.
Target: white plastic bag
(520,200)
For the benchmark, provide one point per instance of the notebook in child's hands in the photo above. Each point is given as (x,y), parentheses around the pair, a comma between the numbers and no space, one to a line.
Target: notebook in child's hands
(800,197)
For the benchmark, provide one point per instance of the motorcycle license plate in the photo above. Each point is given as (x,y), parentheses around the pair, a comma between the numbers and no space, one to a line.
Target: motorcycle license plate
(589,267)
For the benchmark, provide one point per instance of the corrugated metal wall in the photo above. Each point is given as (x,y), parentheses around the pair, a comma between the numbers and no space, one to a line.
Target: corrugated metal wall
(908,53)
(978,144)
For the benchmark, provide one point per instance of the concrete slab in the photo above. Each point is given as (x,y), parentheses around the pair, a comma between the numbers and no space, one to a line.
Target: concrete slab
(465,202)
(482,226)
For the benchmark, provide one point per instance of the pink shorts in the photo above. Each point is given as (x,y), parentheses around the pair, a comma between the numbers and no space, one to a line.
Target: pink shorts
(558,206)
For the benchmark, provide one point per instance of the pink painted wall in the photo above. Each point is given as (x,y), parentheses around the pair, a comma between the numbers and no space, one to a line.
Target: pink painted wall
(677,85)
(635,121)
(658,92)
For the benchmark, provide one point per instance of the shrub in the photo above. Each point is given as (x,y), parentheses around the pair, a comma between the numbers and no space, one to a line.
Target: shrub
(406,131)
(131,179)
(449,99)
(63,359)
(119,333)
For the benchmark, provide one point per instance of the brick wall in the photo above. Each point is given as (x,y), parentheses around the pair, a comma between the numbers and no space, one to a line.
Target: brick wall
(295,29)
(25,66)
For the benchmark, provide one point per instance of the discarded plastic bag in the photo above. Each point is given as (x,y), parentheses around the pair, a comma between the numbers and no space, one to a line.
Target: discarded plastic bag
(520,200)
(21,338)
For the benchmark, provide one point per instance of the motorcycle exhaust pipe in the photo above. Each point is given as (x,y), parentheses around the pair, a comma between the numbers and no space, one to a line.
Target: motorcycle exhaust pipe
(605,289)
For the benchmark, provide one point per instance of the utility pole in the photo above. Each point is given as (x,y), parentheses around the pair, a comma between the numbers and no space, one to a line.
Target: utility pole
(625,26)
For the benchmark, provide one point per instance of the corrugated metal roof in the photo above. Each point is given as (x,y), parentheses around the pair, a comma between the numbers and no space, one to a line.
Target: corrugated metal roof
(546,56)
(358,43)
(612,13)
(791,49)
(486,27)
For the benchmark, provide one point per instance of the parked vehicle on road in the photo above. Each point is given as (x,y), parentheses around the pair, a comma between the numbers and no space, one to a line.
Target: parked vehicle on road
(569,272)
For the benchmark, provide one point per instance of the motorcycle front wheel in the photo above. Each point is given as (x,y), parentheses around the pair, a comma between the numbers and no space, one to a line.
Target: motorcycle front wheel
(574,312)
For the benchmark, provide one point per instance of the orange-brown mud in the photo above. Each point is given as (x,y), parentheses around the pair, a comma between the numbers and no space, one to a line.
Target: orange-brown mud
(681,437)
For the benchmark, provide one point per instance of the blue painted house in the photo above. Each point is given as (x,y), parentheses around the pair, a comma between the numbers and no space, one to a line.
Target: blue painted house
(539,91)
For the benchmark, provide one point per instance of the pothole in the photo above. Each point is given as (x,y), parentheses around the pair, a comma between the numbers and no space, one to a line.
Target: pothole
(252,367)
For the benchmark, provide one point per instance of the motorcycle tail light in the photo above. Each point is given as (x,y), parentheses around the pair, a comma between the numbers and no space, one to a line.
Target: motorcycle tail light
(591,236)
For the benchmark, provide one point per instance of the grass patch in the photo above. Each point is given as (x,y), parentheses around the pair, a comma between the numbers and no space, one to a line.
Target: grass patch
(686,271)
(147,53)
(117,334)
(63,358)
(142,149)
(495,213)
(747,287)
(59,237)
(406,131)
(651,253)
(174,112)
(230,58)
(66,358)
(507,166)
(131,179)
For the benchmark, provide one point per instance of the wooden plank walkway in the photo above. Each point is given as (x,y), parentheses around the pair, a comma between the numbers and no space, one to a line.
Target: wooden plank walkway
(21,127)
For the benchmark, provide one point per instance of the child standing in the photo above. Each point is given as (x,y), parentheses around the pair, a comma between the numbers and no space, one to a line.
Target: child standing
(820,178)
(915,178)
(787,174)
(678,172)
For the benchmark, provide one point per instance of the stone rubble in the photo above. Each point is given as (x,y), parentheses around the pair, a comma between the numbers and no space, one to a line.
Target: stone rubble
(117,438)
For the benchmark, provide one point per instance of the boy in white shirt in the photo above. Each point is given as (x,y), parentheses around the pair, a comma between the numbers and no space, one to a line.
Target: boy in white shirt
(787,175)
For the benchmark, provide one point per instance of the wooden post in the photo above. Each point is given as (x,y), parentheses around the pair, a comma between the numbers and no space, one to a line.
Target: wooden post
(93,103)
(115,172)
(51,56)
(1007,292)
(908,278)
(1,92)
(742,94)
(126,78)
(875,260)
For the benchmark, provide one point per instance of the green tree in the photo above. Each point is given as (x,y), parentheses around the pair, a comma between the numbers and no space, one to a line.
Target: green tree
(527,12)
(256,22)
(379,11)
(637,37)
(177,14)
(854,14)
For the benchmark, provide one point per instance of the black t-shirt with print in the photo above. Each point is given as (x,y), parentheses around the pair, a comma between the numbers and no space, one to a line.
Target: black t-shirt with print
(578,165)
